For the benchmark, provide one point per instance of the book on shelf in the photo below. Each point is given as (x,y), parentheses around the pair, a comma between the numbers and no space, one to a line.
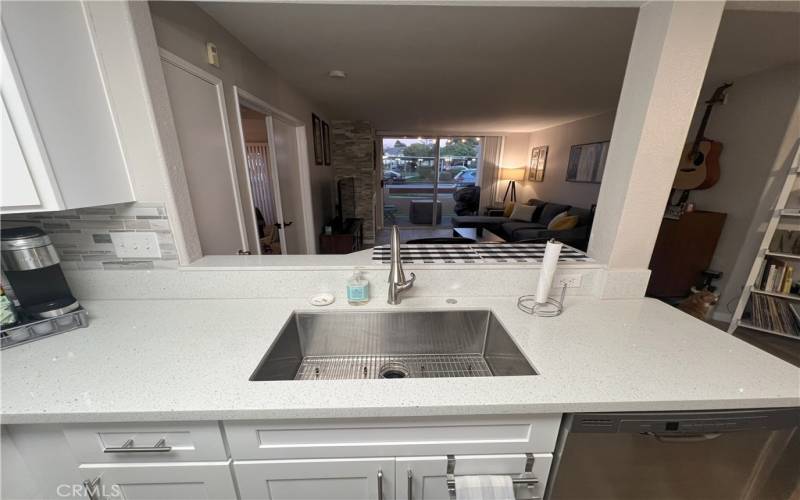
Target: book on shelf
(775,314)
(777,276)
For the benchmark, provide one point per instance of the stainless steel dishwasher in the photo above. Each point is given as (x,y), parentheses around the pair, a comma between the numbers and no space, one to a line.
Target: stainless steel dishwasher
(743,454)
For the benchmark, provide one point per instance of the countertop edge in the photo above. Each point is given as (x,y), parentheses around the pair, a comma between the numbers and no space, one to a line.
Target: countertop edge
(389,412)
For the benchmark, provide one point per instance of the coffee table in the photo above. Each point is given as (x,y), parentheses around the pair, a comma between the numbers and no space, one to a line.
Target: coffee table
(479,234)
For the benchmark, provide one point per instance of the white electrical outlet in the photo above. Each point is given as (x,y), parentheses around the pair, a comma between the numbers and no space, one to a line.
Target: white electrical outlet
(571,280)
(128,244)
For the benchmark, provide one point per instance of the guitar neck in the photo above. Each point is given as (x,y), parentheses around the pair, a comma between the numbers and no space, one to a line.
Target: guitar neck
(701,132)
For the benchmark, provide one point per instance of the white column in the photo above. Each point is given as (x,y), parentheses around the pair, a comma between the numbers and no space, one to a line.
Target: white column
(666,67)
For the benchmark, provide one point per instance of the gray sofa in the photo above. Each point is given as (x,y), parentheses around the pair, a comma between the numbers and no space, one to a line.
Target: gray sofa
(536,229)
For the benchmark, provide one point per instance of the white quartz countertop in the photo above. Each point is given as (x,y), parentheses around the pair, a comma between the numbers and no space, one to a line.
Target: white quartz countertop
(191,360)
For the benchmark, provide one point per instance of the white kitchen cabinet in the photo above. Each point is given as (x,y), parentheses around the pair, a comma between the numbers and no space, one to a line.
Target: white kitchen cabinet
(339,438)
(64,148)
(327,479)
(285,460)
(428,478)
(161,481)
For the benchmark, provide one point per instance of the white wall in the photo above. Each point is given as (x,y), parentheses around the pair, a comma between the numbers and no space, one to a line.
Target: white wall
(758,127)
(555,188)
(183,29)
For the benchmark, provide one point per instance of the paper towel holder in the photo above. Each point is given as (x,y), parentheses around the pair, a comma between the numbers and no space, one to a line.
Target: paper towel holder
(527,478)
(550,308)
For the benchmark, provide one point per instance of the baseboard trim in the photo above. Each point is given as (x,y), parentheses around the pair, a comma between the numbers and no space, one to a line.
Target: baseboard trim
(722,316)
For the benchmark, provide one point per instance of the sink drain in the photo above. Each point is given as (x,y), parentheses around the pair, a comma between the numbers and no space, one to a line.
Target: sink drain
(393,370)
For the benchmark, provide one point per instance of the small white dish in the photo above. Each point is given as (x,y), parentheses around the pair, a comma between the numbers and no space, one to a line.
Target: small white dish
(322,299)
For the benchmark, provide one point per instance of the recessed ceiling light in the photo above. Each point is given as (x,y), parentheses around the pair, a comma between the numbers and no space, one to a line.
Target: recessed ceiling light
(337,73)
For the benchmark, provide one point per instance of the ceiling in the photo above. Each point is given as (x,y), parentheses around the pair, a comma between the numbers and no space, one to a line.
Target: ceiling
(749,41)
(475,69)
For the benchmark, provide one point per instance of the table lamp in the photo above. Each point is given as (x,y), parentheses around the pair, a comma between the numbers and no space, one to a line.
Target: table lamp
(512,175)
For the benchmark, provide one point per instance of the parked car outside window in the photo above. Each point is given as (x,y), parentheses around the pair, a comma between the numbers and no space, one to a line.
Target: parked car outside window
(392,177)
(466,178)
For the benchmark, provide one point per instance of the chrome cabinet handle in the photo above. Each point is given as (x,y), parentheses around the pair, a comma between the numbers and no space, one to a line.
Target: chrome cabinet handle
(380,484)
(92,487)
(128,447)
(410,485)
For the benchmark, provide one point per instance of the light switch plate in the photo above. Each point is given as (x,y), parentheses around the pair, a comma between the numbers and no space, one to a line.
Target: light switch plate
(128,244)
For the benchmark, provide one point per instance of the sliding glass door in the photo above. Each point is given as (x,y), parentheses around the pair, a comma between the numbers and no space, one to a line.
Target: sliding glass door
(457,182)
(423,177)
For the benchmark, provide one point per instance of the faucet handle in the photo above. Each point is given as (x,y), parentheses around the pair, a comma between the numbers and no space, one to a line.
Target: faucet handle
(407,283)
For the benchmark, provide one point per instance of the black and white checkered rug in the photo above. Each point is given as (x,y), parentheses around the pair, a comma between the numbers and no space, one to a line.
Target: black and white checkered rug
(477,253)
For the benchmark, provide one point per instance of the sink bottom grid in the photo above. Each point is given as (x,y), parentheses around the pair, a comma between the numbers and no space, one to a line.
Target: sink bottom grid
(371,366)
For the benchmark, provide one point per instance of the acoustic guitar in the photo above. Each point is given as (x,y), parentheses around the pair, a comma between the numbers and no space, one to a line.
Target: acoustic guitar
(699,166)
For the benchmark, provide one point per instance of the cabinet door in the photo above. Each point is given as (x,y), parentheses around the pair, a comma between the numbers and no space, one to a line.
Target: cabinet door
(328,479)
(27,178)
(161,481)
(60,75)
(18,189)
(429,474)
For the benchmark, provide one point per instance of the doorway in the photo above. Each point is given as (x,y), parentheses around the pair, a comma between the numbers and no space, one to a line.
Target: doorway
(261,182)
(274,146)
(424,176)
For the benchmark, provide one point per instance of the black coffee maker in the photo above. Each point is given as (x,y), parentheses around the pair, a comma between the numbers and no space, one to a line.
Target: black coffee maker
(31,265)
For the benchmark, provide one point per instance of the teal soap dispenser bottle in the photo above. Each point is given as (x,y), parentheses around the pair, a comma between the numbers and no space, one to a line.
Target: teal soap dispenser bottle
(357,289)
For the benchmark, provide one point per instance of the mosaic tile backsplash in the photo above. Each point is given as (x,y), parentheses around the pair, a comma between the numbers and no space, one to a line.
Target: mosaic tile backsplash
(82,237)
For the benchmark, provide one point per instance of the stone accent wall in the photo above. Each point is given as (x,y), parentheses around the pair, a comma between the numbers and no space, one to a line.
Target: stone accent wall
(353,151)
(82,237)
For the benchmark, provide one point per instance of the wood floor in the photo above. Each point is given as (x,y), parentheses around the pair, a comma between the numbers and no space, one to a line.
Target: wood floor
(783,348)
(786,349)
(382,236)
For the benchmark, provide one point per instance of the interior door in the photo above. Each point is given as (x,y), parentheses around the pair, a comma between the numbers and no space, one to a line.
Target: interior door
(159,481)
(428,478)
(325,479)
(288,195)
(198,109)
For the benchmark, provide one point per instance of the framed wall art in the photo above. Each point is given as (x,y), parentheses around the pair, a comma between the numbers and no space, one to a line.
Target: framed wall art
(316,124)
(326,143)
(587,162)
(537,164)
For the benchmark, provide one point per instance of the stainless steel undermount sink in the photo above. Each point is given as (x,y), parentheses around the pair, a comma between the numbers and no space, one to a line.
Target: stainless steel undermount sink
(404,344)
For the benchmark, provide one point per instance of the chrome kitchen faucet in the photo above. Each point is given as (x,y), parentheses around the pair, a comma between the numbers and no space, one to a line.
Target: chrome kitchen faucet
(397,278)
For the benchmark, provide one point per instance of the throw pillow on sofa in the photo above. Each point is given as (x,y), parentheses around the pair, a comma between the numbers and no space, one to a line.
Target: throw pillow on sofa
(508,209)
(563,222)
(554,219)
(549,212)
(522,212)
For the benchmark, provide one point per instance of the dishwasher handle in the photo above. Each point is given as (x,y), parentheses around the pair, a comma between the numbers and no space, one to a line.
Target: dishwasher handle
(686,438)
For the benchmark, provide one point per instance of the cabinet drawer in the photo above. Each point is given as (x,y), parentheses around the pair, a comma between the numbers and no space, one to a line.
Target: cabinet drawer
(101,443)
(251,440)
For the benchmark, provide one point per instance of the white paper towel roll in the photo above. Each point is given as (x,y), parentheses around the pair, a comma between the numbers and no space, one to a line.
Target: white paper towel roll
(549,264)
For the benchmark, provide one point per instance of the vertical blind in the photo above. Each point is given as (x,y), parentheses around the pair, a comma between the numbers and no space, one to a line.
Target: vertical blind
(260,181)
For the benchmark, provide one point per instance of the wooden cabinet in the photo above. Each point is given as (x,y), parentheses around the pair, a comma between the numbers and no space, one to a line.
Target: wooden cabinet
(160,481)
(61,146)
(684,249)
(347,238)
(330,479)
(428,475)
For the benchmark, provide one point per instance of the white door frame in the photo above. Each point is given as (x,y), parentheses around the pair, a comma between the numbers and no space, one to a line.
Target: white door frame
(243,97)
(190,68)
(274,188)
